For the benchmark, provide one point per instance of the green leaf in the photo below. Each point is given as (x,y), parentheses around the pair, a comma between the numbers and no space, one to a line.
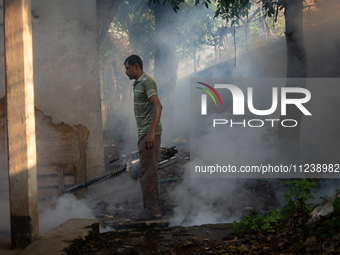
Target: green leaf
(336,204)
(324,236)
(329,222)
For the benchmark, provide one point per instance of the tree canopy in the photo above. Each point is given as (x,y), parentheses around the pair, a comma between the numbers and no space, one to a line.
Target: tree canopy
(230,10)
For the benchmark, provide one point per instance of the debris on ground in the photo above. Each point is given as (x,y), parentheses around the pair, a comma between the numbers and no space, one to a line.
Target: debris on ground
(322,210)
(291,236)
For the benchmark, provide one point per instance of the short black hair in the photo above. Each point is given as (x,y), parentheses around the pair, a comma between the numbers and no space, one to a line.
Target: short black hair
(134,59)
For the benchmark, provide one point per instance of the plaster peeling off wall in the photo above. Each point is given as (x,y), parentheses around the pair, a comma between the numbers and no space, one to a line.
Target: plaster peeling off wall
(61,157)
(66,69)
(61,162)
(66,72)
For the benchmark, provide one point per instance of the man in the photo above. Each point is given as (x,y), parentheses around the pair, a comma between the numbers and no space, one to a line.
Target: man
(148,110)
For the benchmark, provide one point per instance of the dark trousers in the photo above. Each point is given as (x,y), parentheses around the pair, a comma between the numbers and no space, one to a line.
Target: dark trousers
(148,168)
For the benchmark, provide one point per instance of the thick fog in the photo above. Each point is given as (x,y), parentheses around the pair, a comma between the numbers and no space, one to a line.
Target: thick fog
(262,56)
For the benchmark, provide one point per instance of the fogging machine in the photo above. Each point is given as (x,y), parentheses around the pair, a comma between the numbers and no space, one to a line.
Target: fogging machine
(167,157)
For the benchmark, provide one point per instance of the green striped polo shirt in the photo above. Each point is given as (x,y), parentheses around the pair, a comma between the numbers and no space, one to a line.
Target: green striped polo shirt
(143,89)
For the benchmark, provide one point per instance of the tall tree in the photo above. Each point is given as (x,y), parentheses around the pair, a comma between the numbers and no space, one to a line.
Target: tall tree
(138,20)
(195,26)
(166,63)
(296,68)
(176,36)
(116,90)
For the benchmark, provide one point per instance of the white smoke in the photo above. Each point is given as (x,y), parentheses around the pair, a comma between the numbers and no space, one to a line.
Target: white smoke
(65,207)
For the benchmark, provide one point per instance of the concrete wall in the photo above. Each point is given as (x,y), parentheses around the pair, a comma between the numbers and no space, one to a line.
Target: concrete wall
(66,68)
(2,56)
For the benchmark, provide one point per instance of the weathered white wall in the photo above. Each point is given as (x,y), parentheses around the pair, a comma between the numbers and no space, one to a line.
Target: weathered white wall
(66,75)
(2,56)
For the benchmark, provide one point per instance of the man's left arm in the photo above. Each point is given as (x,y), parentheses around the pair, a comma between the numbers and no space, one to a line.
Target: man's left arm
(157,110)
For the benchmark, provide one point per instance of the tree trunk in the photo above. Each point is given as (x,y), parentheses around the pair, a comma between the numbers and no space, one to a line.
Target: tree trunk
(217,56)
(109,95)
(262,29)
(146,62)
(165,71)
(195,63)
(296,68)
(246,28)
(296,52)
(117,96)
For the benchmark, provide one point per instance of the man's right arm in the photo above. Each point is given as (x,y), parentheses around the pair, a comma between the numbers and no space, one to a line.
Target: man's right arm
(157,111)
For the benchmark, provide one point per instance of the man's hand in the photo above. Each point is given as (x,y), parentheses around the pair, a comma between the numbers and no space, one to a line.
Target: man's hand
(150,137)
(149,141)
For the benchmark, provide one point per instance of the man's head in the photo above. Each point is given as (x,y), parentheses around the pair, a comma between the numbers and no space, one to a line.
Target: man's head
(133,67)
